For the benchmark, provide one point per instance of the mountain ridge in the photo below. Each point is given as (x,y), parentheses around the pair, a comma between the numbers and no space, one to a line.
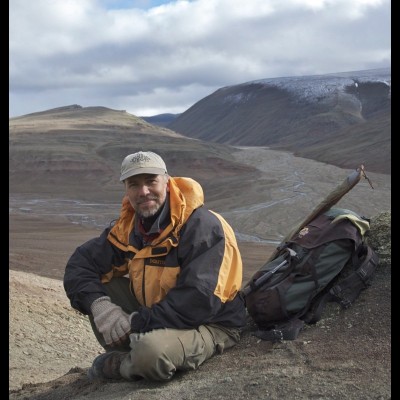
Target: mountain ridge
(305,115)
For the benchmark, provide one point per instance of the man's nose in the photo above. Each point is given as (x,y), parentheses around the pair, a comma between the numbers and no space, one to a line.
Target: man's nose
(144,190)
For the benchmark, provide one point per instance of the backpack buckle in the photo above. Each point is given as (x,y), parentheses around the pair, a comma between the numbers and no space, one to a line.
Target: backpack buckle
(345,303)
(277,335)
(272,335)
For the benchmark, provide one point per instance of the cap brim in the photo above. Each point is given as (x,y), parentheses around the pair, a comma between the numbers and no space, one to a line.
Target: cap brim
(138,171)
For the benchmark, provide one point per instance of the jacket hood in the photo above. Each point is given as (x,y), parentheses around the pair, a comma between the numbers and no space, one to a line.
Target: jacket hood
(185,196)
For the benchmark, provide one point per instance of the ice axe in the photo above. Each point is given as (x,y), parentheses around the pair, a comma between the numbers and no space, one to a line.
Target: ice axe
(329,201)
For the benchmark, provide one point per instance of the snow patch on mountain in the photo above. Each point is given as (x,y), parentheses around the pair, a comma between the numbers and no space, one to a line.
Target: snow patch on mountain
(317,87)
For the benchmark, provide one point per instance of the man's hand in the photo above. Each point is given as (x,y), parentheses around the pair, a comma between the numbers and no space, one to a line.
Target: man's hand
(111,321)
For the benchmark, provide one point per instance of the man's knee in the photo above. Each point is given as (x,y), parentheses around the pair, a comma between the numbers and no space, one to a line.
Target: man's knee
(159,354)
(149,358)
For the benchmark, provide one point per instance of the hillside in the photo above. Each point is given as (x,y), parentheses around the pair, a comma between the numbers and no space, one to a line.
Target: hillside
(345,356)
(86,144)
(73,154)
(64,189)
(311,116)
(161,119)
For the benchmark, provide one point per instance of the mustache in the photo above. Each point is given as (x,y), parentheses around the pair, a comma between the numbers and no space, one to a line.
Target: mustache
(147,198)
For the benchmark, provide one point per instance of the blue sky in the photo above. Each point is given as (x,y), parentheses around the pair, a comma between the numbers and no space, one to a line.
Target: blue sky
(153,57)
(126,4)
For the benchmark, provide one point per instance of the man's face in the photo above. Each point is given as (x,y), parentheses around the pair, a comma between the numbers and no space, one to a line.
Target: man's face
(147,193)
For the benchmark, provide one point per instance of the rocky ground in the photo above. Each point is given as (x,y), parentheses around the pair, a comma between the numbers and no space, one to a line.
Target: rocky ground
(346,355)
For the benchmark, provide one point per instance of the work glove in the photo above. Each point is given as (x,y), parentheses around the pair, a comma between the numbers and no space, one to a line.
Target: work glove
(111,321)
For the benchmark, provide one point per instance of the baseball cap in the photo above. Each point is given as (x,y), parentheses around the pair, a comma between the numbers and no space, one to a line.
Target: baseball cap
(142,162)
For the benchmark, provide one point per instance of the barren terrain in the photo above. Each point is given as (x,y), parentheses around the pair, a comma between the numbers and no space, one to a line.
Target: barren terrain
(64,190)
(347,355)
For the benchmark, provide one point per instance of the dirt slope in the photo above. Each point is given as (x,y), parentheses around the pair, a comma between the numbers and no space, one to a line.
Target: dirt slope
(346,355)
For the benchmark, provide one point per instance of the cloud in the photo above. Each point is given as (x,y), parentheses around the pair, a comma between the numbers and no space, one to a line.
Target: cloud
(150,57)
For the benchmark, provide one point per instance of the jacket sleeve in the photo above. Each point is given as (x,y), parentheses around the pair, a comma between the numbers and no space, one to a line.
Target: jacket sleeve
(85,269)
(209,259)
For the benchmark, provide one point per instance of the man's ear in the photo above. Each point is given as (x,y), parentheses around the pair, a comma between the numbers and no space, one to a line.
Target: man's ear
(168,185)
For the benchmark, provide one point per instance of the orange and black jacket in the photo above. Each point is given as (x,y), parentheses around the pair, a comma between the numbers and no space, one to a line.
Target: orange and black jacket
(190,275)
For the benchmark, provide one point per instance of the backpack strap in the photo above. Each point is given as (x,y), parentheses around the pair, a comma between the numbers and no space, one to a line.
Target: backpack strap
(348,289)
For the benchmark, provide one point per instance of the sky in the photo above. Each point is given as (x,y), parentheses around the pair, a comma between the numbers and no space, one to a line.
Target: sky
(156,57)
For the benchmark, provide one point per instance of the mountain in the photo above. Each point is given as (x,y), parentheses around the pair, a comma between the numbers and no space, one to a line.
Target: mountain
(161,119)
(75,152)
(342,119)
(74,149)
(72,155)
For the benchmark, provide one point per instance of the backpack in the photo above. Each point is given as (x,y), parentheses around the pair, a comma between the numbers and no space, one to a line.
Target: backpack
(328,260)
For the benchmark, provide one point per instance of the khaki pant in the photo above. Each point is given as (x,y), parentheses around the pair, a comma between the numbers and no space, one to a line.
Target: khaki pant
(158,354)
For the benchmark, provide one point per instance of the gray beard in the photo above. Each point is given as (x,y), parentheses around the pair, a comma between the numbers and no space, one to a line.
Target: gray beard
(148,213)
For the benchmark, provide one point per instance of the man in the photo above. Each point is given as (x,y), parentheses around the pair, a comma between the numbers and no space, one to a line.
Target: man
(161,285)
